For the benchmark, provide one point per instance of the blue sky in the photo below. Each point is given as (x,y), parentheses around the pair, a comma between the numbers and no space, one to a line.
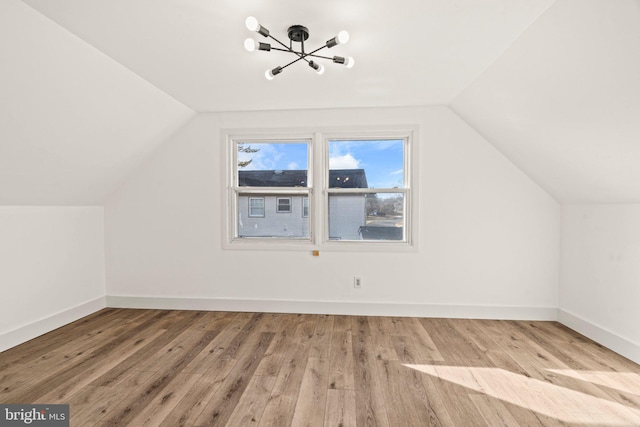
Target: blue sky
(382,160)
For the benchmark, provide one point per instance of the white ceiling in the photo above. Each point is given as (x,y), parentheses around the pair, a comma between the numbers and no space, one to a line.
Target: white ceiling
(91,87)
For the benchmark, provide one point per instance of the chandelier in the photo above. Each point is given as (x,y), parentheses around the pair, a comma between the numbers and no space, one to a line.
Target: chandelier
(298,34)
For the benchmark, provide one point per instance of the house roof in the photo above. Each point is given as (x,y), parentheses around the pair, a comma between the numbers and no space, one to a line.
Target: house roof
(338,178)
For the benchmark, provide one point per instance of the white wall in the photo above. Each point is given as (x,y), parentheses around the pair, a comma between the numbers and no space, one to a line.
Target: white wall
(51,268)
(488,244)
(600,279)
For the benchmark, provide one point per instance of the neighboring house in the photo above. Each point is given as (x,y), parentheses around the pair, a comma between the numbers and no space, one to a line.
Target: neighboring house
(281,215)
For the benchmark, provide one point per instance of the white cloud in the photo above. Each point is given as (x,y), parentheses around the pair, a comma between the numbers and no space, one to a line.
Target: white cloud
(292,166)
(398,172)
(346,161)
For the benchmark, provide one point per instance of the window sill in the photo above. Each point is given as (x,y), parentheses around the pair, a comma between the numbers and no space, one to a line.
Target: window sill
(331,246)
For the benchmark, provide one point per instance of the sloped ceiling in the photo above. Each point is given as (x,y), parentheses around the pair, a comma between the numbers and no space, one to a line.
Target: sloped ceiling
(73,122)
(90,87)
(563,102)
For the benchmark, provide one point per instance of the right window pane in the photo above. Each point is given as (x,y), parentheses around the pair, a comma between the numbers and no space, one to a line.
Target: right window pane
(367,189)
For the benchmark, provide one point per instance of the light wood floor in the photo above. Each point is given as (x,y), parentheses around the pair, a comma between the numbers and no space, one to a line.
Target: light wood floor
(192,368)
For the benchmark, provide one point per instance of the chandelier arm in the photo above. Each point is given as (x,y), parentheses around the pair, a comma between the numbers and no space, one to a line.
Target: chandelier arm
(282,44)
(314,51)
(282,50)
(320,56)
(294,61)
(300,55)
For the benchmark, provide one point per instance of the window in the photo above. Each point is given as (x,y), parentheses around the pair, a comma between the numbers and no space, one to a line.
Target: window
(256,207)
(283,205)
(343,190)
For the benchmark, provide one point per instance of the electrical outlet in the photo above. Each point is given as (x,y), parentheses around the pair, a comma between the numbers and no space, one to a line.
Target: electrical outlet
(357,282)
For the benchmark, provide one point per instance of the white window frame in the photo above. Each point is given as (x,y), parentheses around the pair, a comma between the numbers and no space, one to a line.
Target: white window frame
(305,207)
(318,195)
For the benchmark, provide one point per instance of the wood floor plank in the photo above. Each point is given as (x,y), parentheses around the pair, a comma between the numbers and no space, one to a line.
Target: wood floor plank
(370,404)
(381,338)
(129,408)
(192,404)
(76,384)
(41,345)
(435,411)
(455,345)
(101,353)
(75,347)
(493,412)
(161,406)
(208,358)
(311,403)
(455,404)
(439,402)
(320,343)
(222,404)
(426,349)
(404,394)
(149,347)
(280,408)
(251,405)
(341,355)
(95,402)
(276,353)
(171,368)
(341,408)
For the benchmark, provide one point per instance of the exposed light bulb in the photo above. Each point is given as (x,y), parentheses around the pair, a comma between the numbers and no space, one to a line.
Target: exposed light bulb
(349,62)
(252,24)
(343,37)
(251,45)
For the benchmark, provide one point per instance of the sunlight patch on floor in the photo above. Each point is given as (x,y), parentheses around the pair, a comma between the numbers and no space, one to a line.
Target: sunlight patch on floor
(627,382)
(561,403)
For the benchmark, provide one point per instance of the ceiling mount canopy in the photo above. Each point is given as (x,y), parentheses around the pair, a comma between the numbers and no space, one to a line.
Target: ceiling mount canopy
(298,34)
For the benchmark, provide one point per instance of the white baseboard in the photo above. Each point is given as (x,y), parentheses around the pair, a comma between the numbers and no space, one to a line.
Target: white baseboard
(603,336)
(336,307)
(47,324)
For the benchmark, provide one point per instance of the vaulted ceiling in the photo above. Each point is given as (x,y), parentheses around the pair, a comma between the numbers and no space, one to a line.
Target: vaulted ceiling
(91,87)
